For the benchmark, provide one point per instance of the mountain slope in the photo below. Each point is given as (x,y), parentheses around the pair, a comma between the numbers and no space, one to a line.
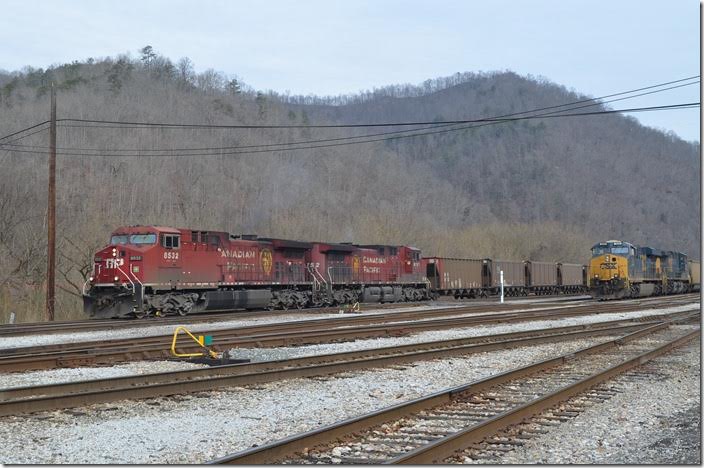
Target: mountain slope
(543,189)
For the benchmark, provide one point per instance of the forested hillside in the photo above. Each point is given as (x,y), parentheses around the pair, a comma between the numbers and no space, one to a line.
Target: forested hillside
(543,189)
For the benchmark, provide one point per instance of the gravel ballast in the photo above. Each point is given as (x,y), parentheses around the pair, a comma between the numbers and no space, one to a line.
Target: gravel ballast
(197,428)
(264,354)
(200,427)
(653,422)
(158,329)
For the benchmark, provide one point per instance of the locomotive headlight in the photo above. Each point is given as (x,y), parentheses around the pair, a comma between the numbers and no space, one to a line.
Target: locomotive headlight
(91,279)
(117,278)
(114,253)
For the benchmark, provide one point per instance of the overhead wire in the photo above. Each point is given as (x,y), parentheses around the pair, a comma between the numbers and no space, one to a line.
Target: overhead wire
(367,135)
(486,122)
(11,142)
(24,130)
(382,124)
(122,124)
(593,102)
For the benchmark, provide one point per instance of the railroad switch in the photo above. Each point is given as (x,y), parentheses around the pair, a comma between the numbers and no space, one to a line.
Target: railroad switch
(351,309)
(207,355)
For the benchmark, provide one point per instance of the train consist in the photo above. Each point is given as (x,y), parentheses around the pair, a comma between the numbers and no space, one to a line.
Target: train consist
(621,270)
(468,278)
(155,270)
(161,270)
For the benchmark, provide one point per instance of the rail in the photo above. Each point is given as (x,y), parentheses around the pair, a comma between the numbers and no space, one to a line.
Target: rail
(472,411)
(287,333)
(80,393)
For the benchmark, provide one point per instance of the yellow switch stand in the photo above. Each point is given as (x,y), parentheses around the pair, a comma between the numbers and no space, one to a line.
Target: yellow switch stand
(200,339)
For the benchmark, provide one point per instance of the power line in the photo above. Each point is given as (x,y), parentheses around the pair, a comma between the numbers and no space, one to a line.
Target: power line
(26,136)
(384,124)
(487,122)
(24,130)
(206,126)
(435,125)
(445,124)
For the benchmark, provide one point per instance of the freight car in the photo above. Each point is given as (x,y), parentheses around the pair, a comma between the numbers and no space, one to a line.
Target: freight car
(471,278)
(572,278)
(514,277)
(695,274)
(619,270)
(160,270)
(458,277)
(541,277)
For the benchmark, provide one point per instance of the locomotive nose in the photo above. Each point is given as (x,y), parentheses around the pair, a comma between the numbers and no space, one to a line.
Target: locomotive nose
(111,265)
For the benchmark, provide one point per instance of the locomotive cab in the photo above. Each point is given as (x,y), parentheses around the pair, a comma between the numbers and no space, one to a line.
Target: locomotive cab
(120,262)
(117,286)
(609,269)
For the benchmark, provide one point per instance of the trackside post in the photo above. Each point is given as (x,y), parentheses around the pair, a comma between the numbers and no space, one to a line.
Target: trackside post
(501,278)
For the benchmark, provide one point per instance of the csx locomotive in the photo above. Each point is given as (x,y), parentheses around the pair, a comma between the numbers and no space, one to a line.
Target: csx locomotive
(165,271)
(620,270)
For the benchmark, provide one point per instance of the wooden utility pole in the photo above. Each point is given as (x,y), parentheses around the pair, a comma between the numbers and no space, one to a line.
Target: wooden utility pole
(51,218)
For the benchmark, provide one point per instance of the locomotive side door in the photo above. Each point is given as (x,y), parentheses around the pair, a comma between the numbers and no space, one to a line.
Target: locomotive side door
(170,261)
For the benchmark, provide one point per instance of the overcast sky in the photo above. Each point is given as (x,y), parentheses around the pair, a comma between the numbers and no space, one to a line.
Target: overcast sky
(330,47)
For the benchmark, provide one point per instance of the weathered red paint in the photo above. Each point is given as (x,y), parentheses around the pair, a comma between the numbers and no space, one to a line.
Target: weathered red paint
(212,259)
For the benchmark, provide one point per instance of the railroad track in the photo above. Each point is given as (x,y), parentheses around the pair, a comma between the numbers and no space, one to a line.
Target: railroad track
(290,333)
(19,400)
(73,326)
(467,419)
(493,449)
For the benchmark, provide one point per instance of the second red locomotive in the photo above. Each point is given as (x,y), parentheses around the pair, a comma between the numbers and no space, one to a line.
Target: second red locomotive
(161,270)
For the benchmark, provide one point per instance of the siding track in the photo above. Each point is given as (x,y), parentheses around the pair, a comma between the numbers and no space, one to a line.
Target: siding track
(434,428)
(297,333)
(80,393)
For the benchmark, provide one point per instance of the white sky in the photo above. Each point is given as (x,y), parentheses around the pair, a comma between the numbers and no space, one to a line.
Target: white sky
(330,47)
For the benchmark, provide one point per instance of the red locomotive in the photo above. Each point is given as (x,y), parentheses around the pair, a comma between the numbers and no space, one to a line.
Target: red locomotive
(161,270)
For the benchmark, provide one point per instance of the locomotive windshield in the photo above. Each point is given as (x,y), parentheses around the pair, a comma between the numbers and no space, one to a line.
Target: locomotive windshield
(613,249)
(137,239)
(119,239)
(143,239)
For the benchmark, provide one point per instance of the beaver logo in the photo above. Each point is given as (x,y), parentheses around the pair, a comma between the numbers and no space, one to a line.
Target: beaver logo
(266,261)
(355,265)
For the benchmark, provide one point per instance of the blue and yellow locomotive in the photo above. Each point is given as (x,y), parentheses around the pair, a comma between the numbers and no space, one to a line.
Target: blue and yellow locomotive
(620,270)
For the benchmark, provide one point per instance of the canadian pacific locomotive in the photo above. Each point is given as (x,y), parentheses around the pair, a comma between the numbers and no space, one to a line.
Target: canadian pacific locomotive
(620,270)
(165,271)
